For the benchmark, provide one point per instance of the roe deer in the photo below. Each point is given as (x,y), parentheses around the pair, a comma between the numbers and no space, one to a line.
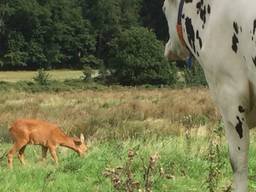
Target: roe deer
(38,132)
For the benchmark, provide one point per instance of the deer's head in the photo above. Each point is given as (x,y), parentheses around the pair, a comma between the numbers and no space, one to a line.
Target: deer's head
(80,144)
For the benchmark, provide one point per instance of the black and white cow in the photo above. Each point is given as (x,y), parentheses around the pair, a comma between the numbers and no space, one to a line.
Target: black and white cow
(221,35)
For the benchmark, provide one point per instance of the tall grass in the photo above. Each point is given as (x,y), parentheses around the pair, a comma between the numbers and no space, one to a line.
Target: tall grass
(177,125)
(113,113)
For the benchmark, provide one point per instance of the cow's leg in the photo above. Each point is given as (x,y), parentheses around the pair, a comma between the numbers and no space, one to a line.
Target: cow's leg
(238,152)
(232,94)
(237,134)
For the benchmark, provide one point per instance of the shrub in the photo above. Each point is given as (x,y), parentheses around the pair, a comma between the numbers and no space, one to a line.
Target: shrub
(136,57)
(195,76)
(91,61)
(87,73)
(42,77)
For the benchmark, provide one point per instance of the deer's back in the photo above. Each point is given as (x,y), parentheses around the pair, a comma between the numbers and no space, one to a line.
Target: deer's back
(34,131)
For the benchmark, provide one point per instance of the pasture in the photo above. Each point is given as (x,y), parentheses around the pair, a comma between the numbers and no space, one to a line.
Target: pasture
(14,76)
(175,136)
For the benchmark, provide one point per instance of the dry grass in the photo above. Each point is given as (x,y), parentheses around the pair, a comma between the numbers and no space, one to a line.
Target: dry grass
(114,113)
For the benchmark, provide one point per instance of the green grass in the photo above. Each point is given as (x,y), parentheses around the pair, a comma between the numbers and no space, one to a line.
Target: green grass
(85,174)
(189,169)
(15,76)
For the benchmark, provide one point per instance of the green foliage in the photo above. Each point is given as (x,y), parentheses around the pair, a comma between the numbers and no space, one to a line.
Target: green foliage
(87,73)
(51,34)
(91,61)
(195,76)
(152,16)
(106,35)
(42,77)
(51,86)
(136,57)
(108,18)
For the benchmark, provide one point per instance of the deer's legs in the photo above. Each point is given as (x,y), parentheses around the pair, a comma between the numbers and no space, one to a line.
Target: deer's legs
(44,152)
(16,147)
(53,154)
(21,155)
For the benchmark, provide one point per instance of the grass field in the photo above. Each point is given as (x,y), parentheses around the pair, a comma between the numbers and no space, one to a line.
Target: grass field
(187,171)
(14,76)
(172,127)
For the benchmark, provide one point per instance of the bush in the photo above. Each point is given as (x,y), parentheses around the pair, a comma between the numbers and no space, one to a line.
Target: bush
(91,61)
(87,74)
(195,76)
(136,57)
(42,77)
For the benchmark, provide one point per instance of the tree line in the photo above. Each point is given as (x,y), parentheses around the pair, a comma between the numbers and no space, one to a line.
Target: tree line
(125,38)
(69,33)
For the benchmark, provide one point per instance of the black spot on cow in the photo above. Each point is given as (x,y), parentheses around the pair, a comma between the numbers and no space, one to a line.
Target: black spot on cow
(183,16)
(235,26)
(254,60)
(209,9)
(201,9)
(239,148)
(199,39)
(190,33)
(241,109)
(254,26)
(188,1)
(235,41)
(239,128)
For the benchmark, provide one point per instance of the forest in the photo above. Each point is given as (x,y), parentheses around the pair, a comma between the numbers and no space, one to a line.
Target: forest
(55,34)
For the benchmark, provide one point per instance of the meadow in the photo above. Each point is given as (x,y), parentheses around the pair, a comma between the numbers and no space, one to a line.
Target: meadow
(15,76)
(139,139)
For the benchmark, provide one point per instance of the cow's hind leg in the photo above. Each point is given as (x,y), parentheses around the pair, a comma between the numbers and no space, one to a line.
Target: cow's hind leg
(237,133)
(238,151)
(233,97)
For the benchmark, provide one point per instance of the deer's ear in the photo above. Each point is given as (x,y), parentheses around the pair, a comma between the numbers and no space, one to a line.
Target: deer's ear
(82,137)
(77,141)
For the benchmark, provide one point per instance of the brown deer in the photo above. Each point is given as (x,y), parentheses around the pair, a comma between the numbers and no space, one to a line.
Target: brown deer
(38,132)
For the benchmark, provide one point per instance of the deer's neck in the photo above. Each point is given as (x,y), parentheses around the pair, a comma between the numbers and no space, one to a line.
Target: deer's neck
(68,142)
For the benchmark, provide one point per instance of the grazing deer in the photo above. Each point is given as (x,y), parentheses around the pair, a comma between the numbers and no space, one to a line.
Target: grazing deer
(37,132)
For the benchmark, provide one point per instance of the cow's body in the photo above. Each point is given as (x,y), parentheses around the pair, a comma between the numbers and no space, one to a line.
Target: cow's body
(221,34)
